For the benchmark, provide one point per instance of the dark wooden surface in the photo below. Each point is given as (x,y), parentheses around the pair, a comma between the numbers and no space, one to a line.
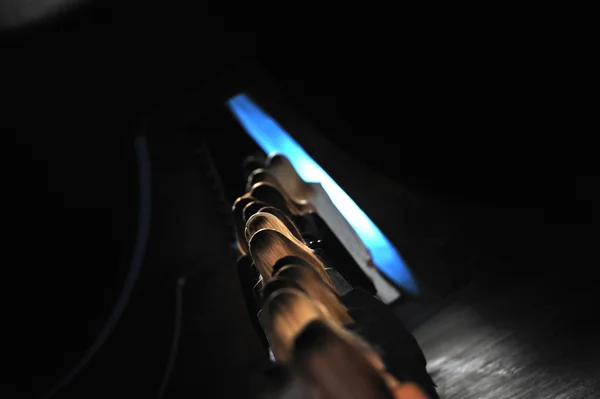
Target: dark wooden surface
(519,340)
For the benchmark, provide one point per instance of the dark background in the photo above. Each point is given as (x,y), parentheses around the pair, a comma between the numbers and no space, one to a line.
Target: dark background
(462,120)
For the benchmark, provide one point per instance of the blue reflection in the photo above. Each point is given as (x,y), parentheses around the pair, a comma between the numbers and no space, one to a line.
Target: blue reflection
(273,139)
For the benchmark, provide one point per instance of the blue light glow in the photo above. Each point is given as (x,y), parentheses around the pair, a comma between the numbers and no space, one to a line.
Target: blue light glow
(273,139)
